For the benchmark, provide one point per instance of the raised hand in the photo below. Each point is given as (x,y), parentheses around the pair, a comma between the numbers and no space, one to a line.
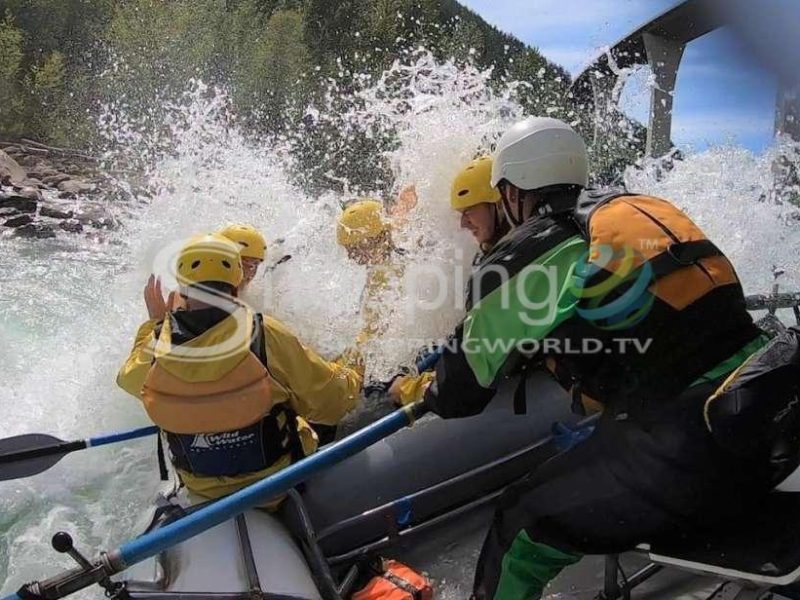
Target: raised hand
(154,299)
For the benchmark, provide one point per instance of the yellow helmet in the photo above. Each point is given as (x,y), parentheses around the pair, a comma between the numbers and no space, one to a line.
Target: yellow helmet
(359,222)
(252,243)
(209,257)
(472,185)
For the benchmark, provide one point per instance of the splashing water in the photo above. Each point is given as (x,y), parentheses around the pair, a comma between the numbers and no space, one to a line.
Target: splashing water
(69,308)
(725,190)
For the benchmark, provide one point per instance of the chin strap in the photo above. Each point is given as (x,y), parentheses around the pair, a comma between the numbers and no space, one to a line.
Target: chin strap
(501,226)
(516,220)
(551,200)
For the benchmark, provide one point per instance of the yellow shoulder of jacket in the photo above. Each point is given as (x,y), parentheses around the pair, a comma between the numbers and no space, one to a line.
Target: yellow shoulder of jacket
(321,391)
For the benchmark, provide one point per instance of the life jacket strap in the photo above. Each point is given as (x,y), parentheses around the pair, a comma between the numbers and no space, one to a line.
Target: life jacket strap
(162,461)
(682,254)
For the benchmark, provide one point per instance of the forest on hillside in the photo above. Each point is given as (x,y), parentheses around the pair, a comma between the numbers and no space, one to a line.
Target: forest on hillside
(61,61)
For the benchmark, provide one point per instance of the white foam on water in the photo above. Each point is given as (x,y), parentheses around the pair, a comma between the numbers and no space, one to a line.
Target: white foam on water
(71,307)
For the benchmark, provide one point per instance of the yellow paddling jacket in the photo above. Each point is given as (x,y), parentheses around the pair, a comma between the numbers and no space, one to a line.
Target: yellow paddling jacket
(233,393)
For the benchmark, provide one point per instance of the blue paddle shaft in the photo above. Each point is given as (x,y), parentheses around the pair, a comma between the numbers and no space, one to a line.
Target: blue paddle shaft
(12,597)
(113,438)
(258,493)
(33,453)
(430,360)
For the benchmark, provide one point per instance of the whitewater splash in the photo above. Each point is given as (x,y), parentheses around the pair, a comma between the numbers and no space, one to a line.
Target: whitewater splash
(69,308)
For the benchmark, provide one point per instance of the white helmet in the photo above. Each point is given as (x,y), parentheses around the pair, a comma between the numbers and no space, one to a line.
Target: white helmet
(539,152)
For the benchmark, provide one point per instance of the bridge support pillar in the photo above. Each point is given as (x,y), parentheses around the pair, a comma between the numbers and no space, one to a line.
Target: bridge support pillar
(786,179)
(664,57)
(787,111)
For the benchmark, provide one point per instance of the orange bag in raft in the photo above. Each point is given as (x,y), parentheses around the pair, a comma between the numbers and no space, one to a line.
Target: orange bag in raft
(397,582)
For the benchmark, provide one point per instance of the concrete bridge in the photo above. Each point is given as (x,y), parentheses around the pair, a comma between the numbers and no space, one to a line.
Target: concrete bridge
(660,44)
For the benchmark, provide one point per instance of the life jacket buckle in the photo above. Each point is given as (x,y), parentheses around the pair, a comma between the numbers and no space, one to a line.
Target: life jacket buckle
(676,252)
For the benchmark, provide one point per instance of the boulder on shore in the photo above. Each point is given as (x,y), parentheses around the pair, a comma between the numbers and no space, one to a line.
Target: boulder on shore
(10,169)
(18,203)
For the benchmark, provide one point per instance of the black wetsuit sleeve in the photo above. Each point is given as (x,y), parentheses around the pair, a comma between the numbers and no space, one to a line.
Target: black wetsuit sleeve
(456,392)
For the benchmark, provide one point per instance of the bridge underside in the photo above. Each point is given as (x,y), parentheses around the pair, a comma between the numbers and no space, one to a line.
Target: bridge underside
(660,45)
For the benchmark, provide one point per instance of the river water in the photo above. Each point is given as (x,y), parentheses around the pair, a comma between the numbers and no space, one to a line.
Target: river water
(69,307)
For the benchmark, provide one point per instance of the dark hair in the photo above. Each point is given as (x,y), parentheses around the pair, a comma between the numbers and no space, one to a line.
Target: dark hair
(560,198)
(215,287)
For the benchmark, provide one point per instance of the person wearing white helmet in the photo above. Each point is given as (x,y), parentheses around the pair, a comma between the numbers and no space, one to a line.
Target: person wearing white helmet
(540,166)
(584,265)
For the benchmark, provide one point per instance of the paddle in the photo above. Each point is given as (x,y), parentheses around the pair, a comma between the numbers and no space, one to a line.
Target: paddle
(32,453)
(772,301)
(278,262)
(155,542)
(430,360)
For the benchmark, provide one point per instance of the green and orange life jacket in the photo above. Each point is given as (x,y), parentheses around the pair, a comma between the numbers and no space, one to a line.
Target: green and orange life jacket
(692,311)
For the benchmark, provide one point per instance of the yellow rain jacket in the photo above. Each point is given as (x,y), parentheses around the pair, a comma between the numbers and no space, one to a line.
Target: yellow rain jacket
(379,280)
(221,409)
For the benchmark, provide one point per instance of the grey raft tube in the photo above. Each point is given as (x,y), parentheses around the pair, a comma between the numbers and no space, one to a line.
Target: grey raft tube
(418,475)
(412,483)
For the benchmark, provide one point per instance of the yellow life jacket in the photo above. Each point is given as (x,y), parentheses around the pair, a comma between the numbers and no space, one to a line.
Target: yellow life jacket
(212,396)
(239,399)
(213,382)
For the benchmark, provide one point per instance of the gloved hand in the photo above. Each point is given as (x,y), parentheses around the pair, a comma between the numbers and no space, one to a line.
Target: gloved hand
(376,387)
(383,387)
(408,389)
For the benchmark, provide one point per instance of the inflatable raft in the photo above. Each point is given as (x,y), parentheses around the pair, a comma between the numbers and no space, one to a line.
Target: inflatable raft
(318,545)
(424,479)
(425,493)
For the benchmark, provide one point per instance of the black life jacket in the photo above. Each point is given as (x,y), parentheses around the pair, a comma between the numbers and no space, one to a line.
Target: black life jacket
(688,318)
(755,413)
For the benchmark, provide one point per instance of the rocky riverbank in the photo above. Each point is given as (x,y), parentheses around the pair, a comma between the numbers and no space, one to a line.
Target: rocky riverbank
(45,190)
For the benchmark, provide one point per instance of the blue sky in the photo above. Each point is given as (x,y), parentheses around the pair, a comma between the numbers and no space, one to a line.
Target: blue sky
(721,94)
